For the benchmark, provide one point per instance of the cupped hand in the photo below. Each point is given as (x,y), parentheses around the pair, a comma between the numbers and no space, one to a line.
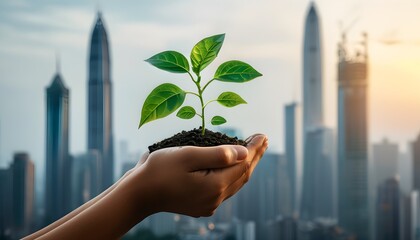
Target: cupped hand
(194,180)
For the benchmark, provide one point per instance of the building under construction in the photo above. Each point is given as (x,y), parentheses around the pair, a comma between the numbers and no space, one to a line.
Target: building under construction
(353,211)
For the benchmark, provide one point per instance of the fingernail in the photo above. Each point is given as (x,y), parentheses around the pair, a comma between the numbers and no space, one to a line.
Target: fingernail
(241,151)
(250,138)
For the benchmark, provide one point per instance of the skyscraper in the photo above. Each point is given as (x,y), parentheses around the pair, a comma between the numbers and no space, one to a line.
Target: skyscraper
(23,178)
(293,148)
(6,203)
(387,210)
(385,160)
(318,192)
(57,151)
(312,71)
(266,196)
(313,126)
(85,177)
(416,163)
(100,136)
(409,216)
(352,125)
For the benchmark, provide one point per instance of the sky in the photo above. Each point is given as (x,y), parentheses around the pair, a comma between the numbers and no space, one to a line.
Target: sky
(268,34)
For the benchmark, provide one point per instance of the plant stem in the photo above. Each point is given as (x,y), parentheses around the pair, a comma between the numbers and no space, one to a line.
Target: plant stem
(205,86)
(193,93)
(205,105)
(200,96)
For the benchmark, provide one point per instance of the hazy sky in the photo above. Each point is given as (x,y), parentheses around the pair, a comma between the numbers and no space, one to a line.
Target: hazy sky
(265,33)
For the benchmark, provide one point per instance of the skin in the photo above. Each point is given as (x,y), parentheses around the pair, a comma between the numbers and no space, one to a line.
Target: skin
(192,181)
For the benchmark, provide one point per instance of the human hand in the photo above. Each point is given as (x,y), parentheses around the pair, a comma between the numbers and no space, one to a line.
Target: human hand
(194,180)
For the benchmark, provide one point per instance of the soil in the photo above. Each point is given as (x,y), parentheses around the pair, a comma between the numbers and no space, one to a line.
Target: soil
(194,138)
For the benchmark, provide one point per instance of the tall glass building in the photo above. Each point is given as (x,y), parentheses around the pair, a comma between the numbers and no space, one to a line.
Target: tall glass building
(312,71)
(293,149)
(353,212)
(315,203)
(23,176)
(57,151)
(100,135)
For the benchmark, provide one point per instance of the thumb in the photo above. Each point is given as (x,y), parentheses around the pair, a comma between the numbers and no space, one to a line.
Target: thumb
(202,158)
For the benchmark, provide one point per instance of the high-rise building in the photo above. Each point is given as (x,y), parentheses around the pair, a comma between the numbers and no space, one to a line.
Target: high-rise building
(385,160)
(6,203)
(100,135)
(312,71)
(384,166)
(352,125)
(23,178)
(57,196)
(313,125)
(416,163)
(409,216)
(387,210)
(293,149)
(85,177)
(318,192)
(267,194)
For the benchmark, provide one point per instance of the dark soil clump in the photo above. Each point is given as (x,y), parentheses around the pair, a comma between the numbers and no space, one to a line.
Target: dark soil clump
(194,138)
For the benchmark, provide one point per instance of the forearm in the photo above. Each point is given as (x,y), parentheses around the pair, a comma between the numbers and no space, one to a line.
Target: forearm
(75,212)
(109,218)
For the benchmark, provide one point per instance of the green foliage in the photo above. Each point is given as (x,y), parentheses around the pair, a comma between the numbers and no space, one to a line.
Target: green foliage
(186,112)
(205,51)
(162,101)
(167,98)
(218,120)
(230,99)
(236,71)
(170,61)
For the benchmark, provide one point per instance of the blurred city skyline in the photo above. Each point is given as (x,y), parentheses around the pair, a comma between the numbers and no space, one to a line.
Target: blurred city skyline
(48,43)
(267,34)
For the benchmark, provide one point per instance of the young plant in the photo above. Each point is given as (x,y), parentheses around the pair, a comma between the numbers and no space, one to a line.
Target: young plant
(167,97)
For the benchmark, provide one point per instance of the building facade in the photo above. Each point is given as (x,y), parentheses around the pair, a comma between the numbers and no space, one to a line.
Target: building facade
(353,212)
(312,71)
(23,191)
(385,160)
(6,203)
(100,133)
(416,163)
(317,199)
(293,150)
(388,210)
(318,195)
(57,151)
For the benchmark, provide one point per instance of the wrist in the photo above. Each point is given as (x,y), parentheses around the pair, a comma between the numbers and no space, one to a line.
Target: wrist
(139,194)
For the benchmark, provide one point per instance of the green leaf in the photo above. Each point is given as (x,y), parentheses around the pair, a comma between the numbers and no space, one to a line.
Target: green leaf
(170,61)
(230,99)
(205,51)
(162,101)
(236,71)
(218,120)
(186,112)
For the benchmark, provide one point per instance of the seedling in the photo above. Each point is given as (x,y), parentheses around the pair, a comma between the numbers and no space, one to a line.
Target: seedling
(167,98)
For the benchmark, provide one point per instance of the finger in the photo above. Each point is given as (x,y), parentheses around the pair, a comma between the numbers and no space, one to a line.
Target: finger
(228,176)
(238,184)
(199,158)
(254,143)
(258,155)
